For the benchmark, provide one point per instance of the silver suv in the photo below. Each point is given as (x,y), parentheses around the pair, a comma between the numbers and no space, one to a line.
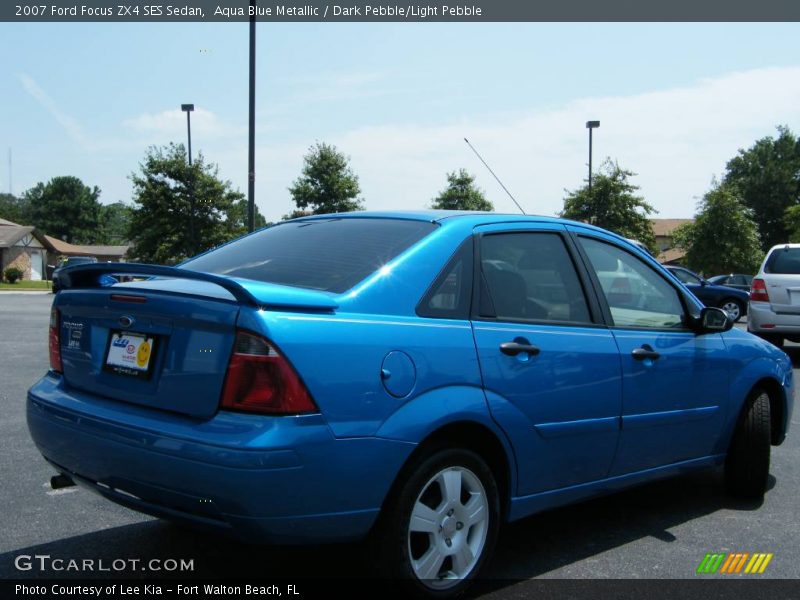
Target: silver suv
(774,307)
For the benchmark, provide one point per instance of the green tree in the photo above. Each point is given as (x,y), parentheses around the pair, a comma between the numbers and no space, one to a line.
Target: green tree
(723,237)
(767,176)
(115,220)
(461,194)
(327,183)
(612,204)
(792,221)
(65,208)
(164,191)
(237,218)
(14,209)
(296,214)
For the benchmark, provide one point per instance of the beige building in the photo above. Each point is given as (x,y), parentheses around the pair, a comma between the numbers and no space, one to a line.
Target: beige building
(663,230)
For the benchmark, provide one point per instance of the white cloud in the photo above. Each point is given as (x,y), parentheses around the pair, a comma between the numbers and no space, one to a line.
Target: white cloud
(171,124)
(675,139)
(70,125)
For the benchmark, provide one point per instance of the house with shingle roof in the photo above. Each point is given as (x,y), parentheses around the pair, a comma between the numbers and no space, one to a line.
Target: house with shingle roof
(663,230)
(24,247)
(31,251)
(103,253)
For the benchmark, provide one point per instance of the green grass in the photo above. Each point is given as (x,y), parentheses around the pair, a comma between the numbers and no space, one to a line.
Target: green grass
(25,285)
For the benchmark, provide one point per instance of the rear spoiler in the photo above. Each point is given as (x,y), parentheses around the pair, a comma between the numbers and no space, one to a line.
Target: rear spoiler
(89,276)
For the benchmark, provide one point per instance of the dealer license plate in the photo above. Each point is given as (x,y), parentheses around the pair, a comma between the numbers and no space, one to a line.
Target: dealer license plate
(130,354)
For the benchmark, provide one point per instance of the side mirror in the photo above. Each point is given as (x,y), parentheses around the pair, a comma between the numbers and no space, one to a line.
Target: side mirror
(714,320)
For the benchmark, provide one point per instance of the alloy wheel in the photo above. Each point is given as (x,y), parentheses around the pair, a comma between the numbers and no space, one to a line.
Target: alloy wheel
(733,309)
(448,528)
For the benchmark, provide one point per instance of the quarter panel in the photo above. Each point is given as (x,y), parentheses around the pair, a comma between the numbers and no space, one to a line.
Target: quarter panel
(340,357)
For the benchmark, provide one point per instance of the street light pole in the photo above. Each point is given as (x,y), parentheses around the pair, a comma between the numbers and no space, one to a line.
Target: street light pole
(591,125)
(188,108)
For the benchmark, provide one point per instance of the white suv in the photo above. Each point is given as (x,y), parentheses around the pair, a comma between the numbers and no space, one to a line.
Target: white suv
(774,307)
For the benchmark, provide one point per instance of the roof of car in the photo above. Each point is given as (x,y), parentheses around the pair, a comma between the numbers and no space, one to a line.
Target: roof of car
(459,218)
(787,245)
(437,216)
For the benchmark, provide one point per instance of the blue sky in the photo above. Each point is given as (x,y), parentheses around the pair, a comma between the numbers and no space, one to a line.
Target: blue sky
(675,102)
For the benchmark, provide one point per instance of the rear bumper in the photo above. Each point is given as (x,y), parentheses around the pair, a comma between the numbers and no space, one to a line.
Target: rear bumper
(762,319)
(261,479)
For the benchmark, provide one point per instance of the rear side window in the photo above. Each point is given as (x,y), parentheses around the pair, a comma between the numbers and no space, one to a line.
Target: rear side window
(530,277)
(784,261)
(449,296)
(331,255)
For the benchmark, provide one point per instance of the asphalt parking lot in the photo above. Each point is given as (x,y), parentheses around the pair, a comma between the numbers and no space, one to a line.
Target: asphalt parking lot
(661,530)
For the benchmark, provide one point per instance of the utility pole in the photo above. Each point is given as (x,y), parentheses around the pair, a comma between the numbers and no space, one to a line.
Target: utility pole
(251,150)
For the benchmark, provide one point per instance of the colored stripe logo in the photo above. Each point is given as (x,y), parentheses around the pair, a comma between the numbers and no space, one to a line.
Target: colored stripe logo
(735,562)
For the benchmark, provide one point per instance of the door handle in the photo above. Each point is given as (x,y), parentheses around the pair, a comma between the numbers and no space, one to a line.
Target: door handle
(645,352)
(514,348)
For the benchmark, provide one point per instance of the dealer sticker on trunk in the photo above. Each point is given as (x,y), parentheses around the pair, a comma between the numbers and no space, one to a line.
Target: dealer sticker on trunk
(130,351)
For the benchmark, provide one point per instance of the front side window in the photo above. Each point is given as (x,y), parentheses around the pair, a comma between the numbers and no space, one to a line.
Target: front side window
(637,296)
(530,277)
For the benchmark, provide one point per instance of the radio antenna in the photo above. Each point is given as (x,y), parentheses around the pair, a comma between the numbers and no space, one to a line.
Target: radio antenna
(505,189)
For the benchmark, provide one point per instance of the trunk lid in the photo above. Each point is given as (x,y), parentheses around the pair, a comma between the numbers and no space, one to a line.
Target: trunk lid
(784,292)
(168,352)
(165,342)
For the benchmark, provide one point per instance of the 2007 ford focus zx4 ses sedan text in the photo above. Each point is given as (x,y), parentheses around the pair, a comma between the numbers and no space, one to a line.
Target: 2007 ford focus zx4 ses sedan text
(417,377)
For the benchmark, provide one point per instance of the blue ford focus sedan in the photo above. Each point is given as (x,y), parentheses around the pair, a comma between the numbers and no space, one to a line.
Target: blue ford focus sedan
(418,377)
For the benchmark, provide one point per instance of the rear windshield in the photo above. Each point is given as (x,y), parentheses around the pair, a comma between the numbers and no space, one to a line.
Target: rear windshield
(331,254)
(79,260)
(784,261)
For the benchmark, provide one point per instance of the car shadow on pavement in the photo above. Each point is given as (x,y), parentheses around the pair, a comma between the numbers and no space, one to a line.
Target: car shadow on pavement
(527,548)
(555,539)
(794,353)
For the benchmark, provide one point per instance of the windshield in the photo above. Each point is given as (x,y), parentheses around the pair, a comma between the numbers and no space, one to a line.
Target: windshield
(686,277)
(330,255)
(79,260)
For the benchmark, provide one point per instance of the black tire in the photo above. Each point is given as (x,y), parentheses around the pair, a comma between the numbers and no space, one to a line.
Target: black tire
(741,309)
(747,463)
(400,549)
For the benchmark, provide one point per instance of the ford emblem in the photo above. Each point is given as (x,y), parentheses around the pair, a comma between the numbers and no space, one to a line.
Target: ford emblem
(126,321)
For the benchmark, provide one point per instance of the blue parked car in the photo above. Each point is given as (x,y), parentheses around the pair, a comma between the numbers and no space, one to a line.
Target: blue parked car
(730,299)
(421,377)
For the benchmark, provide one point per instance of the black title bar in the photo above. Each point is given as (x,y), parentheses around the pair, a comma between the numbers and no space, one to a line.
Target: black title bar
(388,11)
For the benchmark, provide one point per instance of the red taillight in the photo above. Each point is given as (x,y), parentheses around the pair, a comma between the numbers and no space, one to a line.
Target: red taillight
(260,380)
(55,340)
(758,291)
